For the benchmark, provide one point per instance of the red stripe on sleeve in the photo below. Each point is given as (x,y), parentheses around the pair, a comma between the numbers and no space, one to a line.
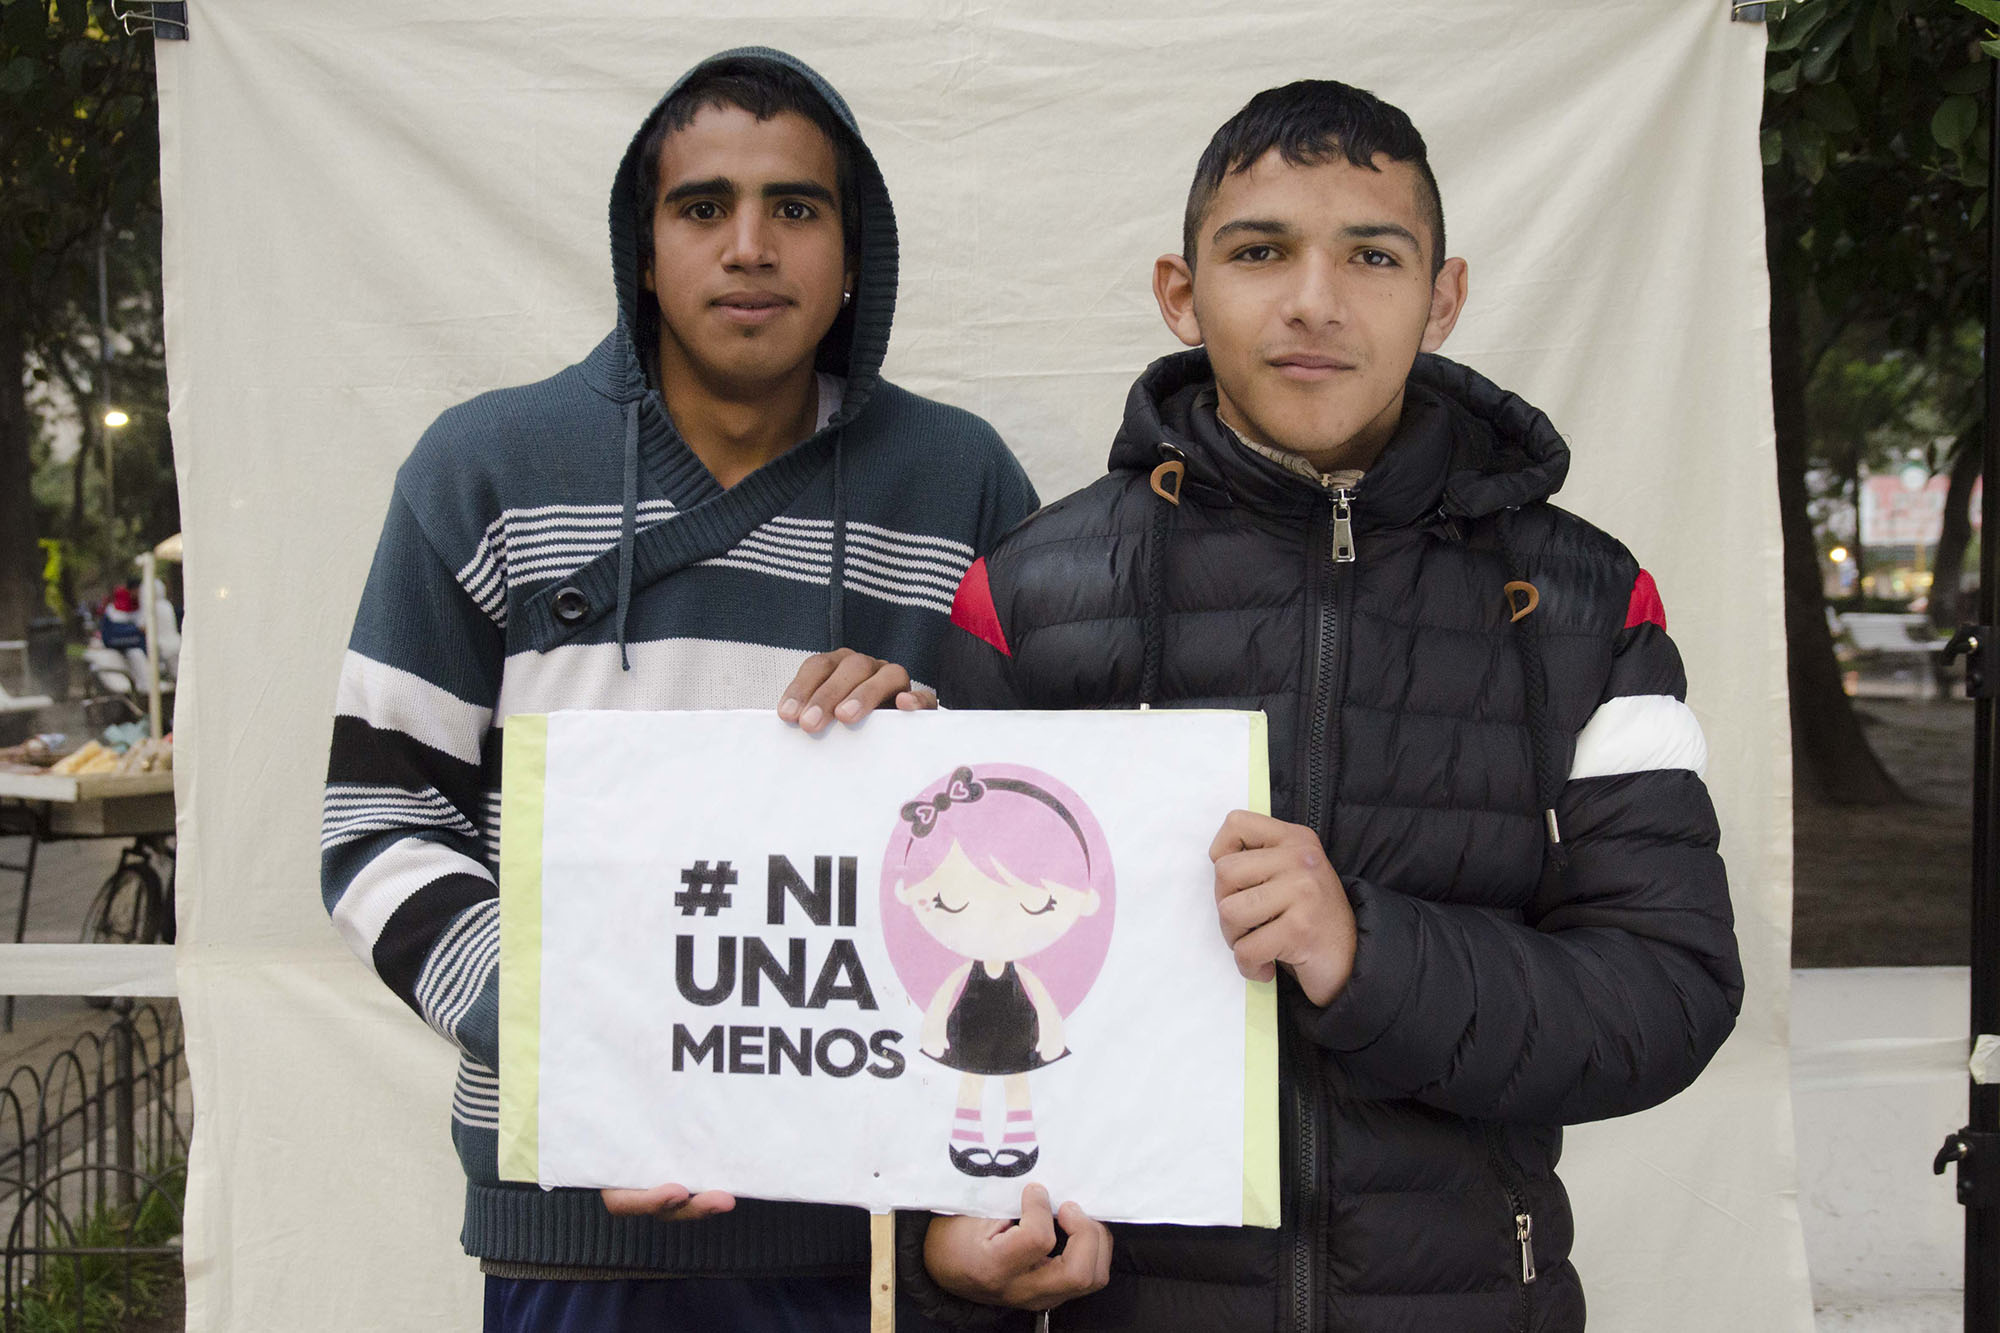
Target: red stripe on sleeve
(972,609)
(1646,607)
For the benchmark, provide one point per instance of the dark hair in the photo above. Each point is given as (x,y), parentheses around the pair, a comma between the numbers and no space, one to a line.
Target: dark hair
(764,89)
(1309,123)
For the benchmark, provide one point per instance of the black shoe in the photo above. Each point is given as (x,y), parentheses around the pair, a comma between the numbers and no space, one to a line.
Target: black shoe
(972,1161)
(1014,1162)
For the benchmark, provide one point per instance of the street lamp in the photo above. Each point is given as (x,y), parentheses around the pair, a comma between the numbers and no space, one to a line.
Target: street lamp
(114,418)
(1838,555)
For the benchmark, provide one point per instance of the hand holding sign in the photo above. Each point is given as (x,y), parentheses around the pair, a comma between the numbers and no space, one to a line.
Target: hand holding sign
(1011,1263)
(847,685)
(1279,901)
(669,1203)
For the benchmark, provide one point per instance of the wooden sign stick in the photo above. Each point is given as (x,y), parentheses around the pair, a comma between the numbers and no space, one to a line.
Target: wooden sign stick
(881,1273)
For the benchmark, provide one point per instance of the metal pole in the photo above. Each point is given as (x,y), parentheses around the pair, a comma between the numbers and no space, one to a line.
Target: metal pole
(1976,1148)
(151,620)
(104,435)
(126,1145)
(1982,1218)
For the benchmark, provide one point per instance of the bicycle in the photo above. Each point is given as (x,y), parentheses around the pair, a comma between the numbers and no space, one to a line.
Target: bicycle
(135,904)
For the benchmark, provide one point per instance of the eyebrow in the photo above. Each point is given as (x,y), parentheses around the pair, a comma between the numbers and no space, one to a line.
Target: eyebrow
(722,185)
(1374,230)
(1251,227)
(1361,231)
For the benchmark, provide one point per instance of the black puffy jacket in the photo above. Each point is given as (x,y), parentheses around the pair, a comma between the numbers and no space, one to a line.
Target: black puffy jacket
(1505,983)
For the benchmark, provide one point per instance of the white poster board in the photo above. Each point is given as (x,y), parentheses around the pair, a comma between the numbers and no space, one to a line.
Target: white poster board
(918,964)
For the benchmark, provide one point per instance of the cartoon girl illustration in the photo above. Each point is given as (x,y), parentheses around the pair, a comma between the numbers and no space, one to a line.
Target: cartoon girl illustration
(1007,870)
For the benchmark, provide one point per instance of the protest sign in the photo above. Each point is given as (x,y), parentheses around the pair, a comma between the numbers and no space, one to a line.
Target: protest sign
(915,964)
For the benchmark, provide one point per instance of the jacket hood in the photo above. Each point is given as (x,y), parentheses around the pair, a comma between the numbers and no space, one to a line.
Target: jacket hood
(1465,445)
(853,347)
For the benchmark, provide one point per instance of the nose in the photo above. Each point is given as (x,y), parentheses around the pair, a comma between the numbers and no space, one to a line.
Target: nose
(1316,297)
(749,242)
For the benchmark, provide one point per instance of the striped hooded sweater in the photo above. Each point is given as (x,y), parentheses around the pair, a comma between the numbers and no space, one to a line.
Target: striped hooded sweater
(558,546)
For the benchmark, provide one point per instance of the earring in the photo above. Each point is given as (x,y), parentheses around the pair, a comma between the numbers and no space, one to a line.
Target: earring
(845,297)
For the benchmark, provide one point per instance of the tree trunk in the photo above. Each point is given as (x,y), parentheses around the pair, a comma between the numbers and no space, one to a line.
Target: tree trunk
(1948,607)
(20,557)
(1830,752)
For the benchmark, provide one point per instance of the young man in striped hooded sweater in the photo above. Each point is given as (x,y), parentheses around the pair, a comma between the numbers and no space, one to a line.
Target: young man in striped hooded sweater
(722,505)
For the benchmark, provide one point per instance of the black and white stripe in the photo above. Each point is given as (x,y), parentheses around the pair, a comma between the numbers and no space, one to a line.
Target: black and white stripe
(907,569)
(548,542)
(459,966)
(389,698)
(489,827)
(542,543)
(353,810)
(475,1101)
(394,876)
(1639,733)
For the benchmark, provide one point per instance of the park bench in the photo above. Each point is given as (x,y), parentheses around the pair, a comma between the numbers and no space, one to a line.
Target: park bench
(1889,635)
(19,703)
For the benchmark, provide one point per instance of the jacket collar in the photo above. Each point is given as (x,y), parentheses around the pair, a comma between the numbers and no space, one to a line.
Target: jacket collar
(1465,447)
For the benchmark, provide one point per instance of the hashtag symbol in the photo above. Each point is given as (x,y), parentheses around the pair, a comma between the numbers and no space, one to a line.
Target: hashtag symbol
(707,890)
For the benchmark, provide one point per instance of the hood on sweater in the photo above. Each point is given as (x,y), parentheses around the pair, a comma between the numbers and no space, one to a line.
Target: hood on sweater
(852,348)
(1464,444)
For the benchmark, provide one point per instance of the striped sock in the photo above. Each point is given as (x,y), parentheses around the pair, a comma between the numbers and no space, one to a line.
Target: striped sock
(1020,1131)
(967,1129)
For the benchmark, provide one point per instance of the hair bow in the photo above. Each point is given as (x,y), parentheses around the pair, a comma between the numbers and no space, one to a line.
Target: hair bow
(962,789)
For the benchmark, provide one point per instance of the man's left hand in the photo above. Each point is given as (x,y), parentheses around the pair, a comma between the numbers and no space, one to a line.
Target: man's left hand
(1280,901)
(847,685)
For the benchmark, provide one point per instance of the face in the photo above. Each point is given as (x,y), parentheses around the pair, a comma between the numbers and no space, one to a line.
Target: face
(1312,291)
(748,259)
(993,920)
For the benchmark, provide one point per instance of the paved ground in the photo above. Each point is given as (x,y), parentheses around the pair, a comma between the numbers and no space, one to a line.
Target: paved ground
(1891,885)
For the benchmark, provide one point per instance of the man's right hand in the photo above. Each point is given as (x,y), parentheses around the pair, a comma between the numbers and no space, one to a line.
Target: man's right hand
(998,1262)
(669,1203)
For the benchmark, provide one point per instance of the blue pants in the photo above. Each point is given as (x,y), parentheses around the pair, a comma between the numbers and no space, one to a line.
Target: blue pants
(687,1305)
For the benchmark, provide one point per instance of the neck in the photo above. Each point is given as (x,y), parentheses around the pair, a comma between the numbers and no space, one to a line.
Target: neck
(734,430)
(1357,452)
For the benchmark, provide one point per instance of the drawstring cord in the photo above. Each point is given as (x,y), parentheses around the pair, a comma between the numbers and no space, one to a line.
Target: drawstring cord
(1166,483)
(628,525)
(836,600)
(1534,669)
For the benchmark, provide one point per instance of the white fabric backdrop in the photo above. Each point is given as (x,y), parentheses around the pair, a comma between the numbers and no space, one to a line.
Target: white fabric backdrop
(375,210)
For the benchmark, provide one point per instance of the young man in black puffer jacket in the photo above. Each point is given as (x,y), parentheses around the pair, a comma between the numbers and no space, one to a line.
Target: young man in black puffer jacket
(1490,890)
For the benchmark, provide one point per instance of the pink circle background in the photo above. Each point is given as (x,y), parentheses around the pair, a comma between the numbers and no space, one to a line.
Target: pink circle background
(1068,967)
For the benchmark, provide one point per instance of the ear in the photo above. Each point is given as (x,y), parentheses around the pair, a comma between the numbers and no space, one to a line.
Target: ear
(905,892)
(1173,288)
(646,278)
(1447,300)
(1091,902)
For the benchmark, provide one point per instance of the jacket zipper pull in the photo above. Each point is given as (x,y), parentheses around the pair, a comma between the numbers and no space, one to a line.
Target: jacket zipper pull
(1343,527)
(1524,1231)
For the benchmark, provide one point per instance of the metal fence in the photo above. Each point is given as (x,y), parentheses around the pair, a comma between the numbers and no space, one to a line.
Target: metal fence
(93,1151)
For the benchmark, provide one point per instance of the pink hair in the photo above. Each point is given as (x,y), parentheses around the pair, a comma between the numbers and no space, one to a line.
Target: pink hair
(1001,816)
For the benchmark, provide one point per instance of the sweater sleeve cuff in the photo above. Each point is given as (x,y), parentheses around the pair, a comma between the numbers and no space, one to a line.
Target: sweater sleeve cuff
(1386,957)
(937,1304)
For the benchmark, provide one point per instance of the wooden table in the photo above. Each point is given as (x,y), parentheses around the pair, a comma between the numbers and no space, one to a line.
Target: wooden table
(50,807)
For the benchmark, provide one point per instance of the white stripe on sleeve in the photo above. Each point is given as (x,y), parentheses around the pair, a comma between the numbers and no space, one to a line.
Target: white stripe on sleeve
(389,881)
(1639,733)
(392,699)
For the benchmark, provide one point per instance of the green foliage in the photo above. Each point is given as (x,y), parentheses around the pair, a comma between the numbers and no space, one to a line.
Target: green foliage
(79,155)
(1875,145)
(111,1291)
